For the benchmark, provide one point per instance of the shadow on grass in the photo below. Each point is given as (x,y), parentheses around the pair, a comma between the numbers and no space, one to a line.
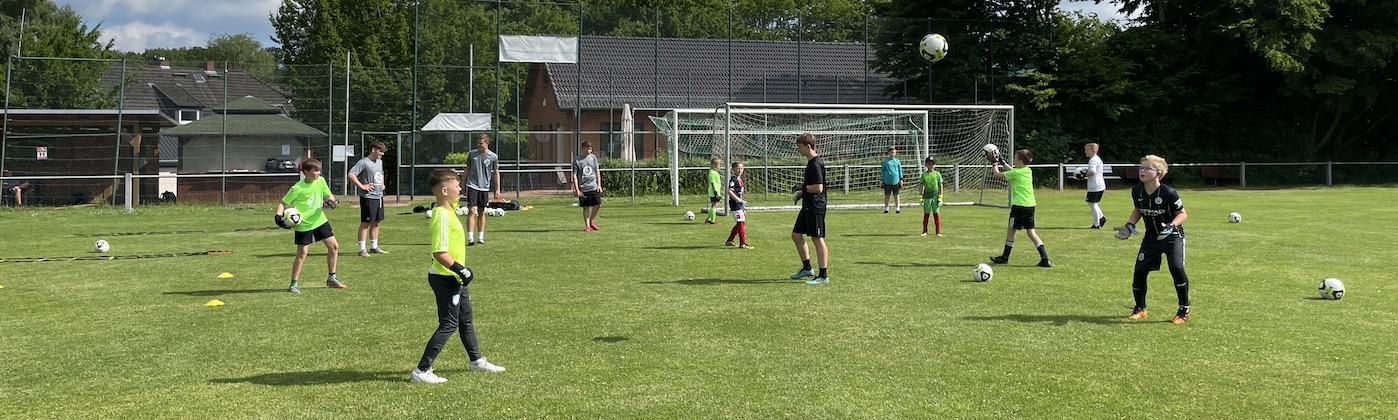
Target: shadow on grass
(610,339)
(683,247)
(322,377)
(287,254)
(1056,320)
(710,282)
(223,292)
(534,230)
(879,235)
(897,264)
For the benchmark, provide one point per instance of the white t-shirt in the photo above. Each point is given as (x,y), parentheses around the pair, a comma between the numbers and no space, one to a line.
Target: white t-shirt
(1095,182)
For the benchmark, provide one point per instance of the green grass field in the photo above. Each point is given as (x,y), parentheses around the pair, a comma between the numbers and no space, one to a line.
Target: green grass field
(653,318)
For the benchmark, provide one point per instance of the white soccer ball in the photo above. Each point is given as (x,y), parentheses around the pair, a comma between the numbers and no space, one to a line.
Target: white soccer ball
(428,213)
(102,246)
(1332,288)
(1234,217)
(499,212)
(462,211)
(990,148)
(932,48)
(1080,174)
(292,216)
(983,272)
(689,215)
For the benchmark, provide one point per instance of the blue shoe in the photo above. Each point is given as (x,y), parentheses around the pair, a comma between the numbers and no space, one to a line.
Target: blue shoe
(802,274)
(818,280)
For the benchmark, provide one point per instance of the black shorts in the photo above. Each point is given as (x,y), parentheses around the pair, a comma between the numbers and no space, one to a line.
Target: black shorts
(1094,196)
(370,209)
(810,223)
(1149,257)
(314,235)
(590,198)
(477,198)
(894,189)
(1021,217)
(714,199)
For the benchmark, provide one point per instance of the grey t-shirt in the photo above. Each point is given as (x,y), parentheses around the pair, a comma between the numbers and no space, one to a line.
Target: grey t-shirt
(370,172)
(585,167)
(481,166)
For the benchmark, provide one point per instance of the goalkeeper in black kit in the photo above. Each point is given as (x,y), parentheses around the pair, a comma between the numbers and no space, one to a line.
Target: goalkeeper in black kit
(1160,208)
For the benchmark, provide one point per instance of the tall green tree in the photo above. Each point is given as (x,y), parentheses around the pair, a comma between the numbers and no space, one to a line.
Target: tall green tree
(242,52)
(53,31)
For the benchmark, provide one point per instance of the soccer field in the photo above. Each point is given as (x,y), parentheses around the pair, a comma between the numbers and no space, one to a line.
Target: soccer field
(653,317)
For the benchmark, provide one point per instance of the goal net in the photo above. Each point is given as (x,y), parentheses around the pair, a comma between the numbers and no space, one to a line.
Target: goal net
(853,141)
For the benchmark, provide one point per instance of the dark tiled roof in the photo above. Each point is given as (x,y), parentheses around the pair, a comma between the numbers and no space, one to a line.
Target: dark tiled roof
(172,89)
(246,116)
(695,73)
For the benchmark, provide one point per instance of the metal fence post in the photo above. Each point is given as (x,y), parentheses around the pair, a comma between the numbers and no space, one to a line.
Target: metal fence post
(846,169)
(1243,175)
(956,177)
(1329,173)
(1060,176)
(127,178)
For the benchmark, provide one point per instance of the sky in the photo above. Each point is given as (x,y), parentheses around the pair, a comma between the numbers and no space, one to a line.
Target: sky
(137,25)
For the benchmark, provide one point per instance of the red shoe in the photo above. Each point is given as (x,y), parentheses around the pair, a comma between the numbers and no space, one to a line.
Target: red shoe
(594,227)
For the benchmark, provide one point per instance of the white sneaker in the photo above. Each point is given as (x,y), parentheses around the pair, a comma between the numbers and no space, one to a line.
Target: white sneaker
(425,377)
(485,366)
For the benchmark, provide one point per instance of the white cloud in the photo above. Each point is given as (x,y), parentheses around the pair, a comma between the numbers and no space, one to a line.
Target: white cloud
(1102,10)
(138,36)
(140,24)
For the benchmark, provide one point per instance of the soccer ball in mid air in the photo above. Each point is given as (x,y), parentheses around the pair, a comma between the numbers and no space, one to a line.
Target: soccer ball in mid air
(689,215)
(1234,217)
(292,216)
(1080,174)
(1332,288)
(102,246)
(983,272)
(990,148)
(933,47)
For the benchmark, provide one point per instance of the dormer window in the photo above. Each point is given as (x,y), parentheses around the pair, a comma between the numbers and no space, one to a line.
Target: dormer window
(188,116)
(198,78)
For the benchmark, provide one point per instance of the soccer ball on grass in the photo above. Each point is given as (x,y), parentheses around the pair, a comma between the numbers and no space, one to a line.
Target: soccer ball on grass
(102,246)
(932,48)
(689,215)
(1332,288)
(1234,217)
(983,272)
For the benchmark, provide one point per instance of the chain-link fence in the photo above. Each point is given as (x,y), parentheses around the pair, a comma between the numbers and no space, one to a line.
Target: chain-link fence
(235,132)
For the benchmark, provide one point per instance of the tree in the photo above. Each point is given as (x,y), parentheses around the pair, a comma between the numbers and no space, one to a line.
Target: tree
(52,31)
(242,52)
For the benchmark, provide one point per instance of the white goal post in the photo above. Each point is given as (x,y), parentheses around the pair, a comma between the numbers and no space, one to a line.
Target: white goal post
(853,141)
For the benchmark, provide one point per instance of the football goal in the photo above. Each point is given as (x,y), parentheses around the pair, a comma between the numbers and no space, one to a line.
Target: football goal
(853,141)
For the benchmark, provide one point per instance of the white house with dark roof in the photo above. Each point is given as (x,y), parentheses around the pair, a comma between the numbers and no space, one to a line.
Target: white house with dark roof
(188,94)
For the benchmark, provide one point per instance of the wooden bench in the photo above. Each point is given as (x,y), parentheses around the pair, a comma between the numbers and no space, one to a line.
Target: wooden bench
(1214,174)
(1132,174)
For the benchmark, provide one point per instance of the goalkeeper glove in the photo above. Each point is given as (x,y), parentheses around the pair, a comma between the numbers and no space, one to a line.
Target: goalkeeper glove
(281,221)
(1166,229)
(463,272)
(797,191)
(1125,232)
(330,204)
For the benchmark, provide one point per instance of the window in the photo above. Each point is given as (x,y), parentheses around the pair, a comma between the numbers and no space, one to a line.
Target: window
(188,116)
